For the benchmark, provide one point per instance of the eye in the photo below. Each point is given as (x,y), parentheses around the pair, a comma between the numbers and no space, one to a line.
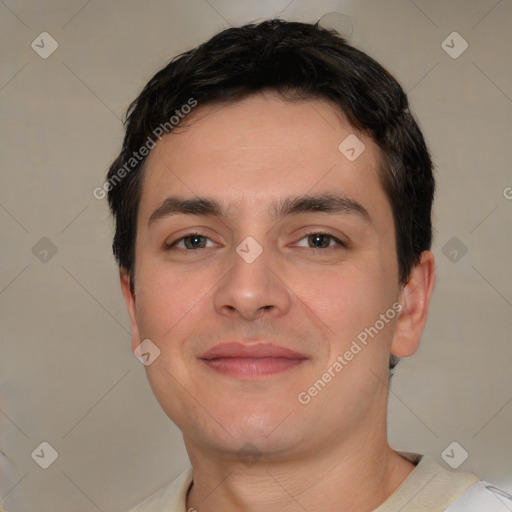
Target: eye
(314,240)
(318,240)
(192,241)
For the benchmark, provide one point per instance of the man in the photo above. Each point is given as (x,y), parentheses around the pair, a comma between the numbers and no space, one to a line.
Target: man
(273,224)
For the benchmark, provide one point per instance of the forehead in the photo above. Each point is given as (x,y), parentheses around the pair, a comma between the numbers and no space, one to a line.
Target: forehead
(257,150)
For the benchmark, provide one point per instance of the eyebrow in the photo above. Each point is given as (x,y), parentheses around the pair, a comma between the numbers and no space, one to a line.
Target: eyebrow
(334,203)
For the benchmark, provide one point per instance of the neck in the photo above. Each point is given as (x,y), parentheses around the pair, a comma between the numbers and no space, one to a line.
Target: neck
(358,475)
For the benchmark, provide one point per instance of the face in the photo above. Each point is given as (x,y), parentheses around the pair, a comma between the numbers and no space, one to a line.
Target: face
(254,228)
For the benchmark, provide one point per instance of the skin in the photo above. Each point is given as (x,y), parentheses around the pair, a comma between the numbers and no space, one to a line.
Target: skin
(332,453)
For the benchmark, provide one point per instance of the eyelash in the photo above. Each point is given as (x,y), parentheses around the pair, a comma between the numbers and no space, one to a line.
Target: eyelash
(306,235)
(332,237)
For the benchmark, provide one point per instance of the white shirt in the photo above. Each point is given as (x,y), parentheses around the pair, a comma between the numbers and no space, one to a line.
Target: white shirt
(428,488)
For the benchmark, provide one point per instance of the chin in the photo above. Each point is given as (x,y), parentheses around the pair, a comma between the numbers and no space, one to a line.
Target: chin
(250,446)
(263,431)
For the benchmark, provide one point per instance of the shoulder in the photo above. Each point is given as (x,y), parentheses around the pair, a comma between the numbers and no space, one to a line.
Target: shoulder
(432,487)
(482,497)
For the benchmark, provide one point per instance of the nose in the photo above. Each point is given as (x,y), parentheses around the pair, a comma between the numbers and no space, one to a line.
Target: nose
(252,290)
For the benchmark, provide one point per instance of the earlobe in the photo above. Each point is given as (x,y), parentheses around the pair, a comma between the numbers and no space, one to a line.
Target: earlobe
(415,300)
(129,299)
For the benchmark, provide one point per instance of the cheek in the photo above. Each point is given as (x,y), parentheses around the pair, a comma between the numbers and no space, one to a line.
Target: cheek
(344,296)
(162,299)
(349,301)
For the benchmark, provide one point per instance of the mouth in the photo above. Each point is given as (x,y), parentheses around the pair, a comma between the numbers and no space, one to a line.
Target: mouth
(249,361)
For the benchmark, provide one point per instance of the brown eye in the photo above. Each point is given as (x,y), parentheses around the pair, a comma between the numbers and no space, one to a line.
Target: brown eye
(192,241)
(318,240)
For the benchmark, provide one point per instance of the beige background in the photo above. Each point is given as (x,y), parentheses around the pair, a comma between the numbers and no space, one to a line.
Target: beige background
(67,374)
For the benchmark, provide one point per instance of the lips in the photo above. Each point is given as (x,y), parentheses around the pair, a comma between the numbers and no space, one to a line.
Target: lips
(250,351)
(248,361)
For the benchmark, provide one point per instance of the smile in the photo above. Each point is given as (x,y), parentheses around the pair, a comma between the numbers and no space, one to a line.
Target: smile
(251,367)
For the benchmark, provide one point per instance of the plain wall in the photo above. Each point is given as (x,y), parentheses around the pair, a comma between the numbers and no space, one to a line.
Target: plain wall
(68,376)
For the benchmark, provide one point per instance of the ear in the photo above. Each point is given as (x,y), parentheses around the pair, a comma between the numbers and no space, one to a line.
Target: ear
(414,299)
(129,298)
